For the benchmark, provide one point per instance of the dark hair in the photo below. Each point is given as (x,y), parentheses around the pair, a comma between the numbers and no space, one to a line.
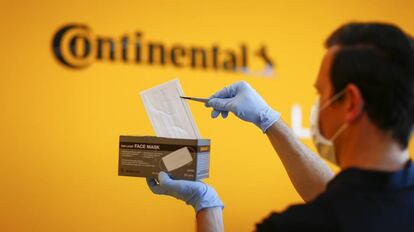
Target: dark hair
(379,59)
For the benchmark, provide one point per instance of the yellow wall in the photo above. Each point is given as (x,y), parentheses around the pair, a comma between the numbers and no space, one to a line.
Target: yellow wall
(59,127)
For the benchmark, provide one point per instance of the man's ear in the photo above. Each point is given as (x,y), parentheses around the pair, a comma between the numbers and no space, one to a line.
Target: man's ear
(354,103)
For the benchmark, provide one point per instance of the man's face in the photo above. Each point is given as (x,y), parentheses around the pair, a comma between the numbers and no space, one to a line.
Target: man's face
(330,118)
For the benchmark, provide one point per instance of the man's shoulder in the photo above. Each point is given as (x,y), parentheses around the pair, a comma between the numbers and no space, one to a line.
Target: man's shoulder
(317,214)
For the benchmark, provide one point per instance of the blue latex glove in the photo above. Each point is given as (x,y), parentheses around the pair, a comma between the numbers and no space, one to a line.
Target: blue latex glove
(241,99)
(194,193)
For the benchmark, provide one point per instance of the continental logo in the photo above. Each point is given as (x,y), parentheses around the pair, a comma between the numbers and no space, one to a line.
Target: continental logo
(76,46)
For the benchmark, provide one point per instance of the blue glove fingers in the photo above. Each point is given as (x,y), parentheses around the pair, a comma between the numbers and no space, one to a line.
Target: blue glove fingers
(164,179)
(229,91)
(195,193)
(179,189)
(215,113)
(154,187)
(226,92)
(220,104)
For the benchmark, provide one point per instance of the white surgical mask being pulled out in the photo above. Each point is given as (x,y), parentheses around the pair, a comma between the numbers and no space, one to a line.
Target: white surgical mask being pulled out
(324,145)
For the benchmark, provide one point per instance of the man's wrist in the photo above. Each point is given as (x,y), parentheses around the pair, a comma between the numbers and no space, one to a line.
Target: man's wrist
(209,209)
(210,219)
(267,118)
(207,199)
(210,202)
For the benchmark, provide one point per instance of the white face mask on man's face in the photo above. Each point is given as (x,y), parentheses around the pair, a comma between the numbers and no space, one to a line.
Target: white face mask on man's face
(324,146)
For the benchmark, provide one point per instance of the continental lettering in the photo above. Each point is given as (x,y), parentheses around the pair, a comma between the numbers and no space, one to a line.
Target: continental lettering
(76,46)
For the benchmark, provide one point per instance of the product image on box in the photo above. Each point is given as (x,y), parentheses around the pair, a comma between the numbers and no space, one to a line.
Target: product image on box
(177,159)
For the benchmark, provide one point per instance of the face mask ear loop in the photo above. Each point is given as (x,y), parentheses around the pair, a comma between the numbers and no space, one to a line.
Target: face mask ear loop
(344,126)
(334,98)
(340,130)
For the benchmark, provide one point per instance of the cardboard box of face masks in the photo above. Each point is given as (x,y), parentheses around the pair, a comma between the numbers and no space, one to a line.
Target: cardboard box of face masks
(146,156)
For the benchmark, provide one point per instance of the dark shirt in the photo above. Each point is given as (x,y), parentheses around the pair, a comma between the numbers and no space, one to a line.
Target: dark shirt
(355,200)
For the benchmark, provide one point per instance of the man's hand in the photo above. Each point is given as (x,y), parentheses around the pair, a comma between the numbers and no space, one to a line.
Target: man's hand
(194,193)
(241,99)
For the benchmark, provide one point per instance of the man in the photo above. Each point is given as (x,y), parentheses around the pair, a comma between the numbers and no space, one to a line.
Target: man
(362,122)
